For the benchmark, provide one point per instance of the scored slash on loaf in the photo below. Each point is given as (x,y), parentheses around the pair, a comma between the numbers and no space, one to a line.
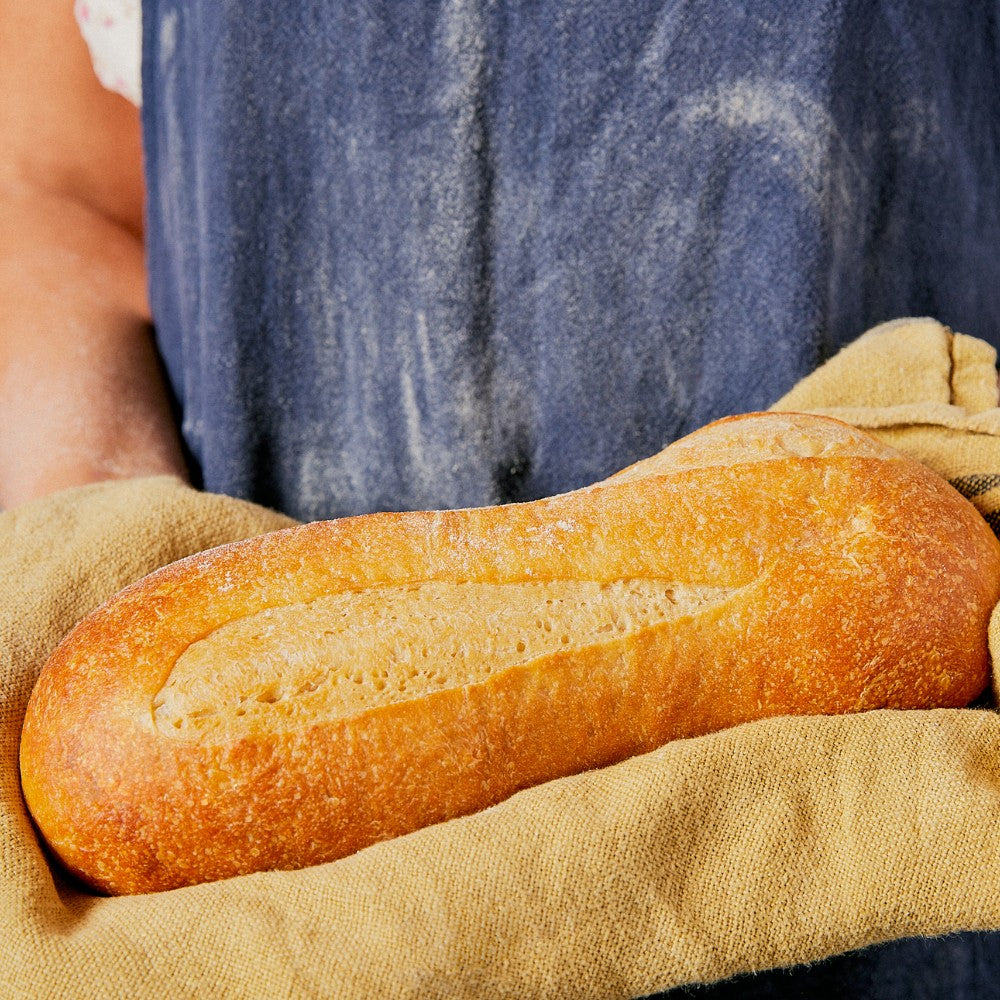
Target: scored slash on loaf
(296,697)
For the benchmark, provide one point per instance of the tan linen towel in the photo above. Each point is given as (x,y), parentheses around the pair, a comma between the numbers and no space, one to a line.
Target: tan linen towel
(923,389)
(769,844)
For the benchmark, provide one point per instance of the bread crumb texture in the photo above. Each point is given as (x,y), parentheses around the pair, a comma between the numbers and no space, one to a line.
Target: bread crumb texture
(348,653)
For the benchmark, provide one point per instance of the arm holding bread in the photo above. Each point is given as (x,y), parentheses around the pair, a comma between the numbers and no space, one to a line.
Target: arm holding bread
(82,396)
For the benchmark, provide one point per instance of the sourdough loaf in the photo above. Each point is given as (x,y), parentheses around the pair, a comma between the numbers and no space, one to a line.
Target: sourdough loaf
(293,698)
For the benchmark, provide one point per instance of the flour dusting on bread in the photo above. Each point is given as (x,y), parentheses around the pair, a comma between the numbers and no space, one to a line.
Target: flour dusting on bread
(354,652)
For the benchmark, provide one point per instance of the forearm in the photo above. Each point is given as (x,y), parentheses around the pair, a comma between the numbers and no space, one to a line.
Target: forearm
(82,395)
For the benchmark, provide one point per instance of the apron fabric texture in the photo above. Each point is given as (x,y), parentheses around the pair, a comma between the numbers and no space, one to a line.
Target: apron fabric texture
(455,253)
(442,254)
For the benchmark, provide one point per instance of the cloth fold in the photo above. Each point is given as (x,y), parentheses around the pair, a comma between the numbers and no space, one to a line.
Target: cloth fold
(766,845)
(925,390)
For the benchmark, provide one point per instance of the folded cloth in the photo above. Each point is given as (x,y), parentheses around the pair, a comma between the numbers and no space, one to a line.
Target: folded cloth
(925,390)
(769,844)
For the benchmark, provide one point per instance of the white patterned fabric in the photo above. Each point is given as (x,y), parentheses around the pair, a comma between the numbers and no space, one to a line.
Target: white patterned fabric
(112,30)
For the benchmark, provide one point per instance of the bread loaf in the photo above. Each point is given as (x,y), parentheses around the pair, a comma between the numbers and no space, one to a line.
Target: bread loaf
(293,698)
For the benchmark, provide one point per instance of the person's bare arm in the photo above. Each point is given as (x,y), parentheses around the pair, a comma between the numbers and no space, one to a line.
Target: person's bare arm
(82,395)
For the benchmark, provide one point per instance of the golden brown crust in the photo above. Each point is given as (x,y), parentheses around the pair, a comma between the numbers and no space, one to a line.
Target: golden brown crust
(855,579)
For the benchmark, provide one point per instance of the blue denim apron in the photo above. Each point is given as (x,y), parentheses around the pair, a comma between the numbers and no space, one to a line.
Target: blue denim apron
(437,254)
